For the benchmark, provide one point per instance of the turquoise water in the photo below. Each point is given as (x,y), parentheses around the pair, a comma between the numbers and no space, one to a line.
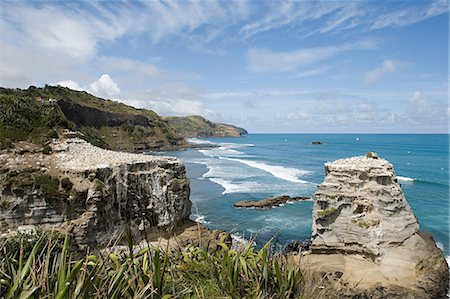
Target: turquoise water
(262,165)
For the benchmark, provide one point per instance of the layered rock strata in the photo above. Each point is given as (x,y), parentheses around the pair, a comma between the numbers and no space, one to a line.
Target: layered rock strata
(92,193)
(365,238)
(360,207)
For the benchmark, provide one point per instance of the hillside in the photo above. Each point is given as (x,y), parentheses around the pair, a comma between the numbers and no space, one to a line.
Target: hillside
(37,114)
(197,126)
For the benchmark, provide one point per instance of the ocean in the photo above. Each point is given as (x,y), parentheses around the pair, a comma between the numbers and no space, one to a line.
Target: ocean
(258,166)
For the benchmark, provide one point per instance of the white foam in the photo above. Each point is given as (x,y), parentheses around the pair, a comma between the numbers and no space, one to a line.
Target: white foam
(239,243)
(199,141)
(284,173)
(200,219)
(238,187)
(405,179)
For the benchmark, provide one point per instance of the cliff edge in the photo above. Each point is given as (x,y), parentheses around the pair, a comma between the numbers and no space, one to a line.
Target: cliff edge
(365,238)
(199,127)
(90,192)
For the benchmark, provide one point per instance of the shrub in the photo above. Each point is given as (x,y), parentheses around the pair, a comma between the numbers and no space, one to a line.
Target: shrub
(66,184)
(48,185)
(45,268)
(326,213)
(46,149)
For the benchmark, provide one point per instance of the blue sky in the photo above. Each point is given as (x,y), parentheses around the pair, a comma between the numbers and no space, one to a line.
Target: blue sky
(268,66)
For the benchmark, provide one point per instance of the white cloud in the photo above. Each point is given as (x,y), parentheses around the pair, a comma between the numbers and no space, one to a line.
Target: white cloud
(289,13)
(179,107)
(313,17)
(70,84)
(104,86)
(388,66)
(425,110)
(176,17)
(131,67)
(266,61)
(410,15)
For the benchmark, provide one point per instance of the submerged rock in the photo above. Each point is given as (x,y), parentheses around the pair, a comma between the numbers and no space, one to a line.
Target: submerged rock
(364,228)
(268,202)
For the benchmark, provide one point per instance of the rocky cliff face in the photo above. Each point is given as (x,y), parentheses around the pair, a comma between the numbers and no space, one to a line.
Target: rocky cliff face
(91,192)
(366,241)
(197,126)
(360,207)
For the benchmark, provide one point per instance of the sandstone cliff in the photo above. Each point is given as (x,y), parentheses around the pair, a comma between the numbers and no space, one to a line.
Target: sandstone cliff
(197,126)
(365,238)
(91,192)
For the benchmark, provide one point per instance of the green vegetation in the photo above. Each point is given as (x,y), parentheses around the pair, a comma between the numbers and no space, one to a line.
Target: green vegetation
(48,185)
(46,149)
(326,213)
(363,224)
(31,115)
(197,126)
(46,267)
(24,118)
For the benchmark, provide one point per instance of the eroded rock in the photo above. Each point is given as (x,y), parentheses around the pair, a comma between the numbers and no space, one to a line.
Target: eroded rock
(364,229)
(93,193)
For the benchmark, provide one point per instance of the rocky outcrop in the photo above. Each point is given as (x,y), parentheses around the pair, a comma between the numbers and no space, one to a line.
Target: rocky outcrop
(92,193)
(360,207)
(366,239)
(199,127)
(269,202)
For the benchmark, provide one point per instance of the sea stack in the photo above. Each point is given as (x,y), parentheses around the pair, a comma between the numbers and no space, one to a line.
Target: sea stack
(365,236)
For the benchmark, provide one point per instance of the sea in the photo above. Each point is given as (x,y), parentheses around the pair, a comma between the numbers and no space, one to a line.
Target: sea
(259,166)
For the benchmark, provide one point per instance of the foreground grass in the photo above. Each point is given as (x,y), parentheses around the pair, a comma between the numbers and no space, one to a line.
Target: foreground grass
(47,268)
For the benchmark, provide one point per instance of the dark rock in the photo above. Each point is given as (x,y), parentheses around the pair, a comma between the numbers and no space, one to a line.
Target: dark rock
(316,142)
(269,202)
(297,246)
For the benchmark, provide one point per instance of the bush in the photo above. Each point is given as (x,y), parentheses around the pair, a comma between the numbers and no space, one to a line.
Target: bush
(66,184)
(46,149)
(48,185)
(49,270)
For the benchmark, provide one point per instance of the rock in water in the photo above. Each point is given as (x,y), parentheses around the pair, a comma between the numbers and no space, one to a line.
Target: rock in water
(364,229)
(269,203)
(360,207)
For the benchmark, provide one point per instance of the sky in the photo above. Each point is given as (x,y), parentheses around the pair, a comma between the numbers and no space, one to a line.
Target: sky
(267,66)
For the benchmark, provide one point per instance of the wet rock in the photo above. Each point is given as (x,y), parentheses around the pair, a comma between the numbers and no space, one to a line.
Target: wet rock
(269,203)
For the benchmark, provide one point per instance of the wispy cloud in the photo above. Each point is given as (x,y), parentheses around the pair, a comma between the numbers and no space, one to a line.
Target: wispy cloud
(266,61)
(335,16)
(388,66)
(131,67)
(410,15)
(293,13)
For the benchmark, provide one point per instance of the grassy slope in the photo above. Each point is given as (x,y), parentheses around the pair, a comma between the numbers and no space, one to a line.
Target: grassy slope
(27,119)
(197,126)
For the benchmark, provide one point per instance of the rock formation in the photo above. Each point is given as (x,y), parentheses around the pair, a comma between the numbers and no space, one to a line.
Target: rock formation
(197,126)
(365,237)
(268,202)
(91,192)
(360,207)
